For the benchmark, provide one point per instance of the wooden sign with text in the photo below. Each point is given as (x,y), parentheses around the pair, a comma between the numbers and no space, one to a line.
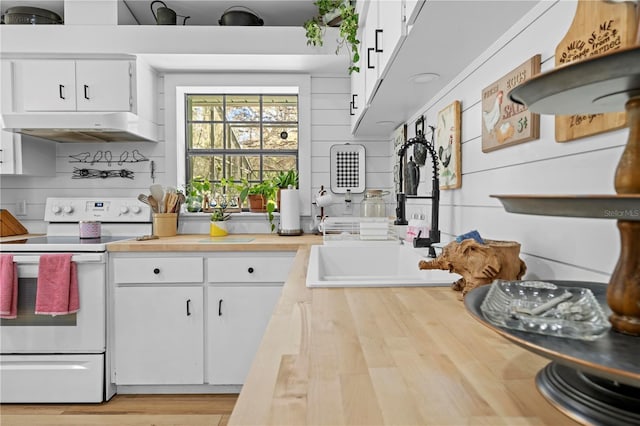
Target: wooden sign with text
(505,123)
(598,28)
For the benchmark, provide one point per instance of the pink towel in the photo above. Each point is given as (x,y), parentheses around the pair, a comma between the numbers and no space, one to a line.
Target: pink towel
(57,292)
(8,287)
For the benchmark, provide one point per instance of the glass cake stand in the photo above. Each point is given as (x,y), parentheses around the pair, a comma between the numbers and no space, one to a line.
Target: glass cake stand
(595,382)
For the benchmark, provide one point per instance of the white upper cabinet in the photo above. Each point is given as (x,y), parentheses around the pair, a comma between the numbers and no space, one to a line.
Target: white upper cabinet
(104,85)
(47,88)
(382,26)
(73,85)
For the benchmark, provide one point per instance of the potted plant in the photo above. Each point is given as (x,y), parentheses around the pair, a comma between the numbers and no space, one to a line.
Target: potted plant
(348,26)
(218,225)
(261,198)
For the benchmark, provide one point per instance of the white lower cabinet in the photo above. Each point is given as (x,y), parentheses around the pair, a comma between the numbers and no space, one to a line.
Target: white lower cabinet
(180,319)
(237,319)
(159,335)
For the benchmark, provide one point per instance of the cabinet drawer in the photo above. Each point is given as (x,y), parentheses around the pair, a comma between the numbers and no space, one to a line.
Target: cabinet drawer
(158,270)
(263,267)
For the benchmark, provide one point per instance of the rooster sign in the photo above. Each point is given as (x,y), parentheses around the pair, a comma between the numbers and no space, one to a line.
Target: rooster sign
(447,145)
(506,123)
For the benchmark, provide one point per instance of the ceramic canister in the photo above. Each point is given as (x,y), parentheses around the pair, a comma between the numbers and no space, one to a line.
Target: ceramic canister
(90,229)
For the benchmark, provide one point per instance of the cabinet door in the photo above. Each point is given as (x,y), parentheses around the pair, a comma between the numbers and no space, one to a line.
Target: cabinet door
(159,335)
(7,159)
(48,85)
(103,85)
(357,102)
(371,58)
(390,27)
(237,319)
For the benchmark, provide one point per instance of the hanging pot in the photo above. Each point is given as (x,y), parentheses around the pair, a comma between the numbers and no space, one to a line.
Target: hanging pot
(240,17)
(165,16)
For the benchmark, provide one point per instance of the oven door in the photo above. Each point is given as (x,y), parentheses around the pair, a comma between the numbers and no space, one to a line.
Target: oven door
(82,332)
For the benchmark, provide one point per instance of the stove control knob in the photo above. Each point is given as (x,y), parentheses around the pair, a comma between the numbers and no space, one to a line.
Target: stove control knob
(124,209)
(136,209)
(56,209)
(68,209)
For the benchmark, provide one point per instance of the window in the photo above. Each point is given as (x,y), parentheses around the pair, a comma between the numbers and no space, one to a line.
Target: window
(240,136)
(177,86)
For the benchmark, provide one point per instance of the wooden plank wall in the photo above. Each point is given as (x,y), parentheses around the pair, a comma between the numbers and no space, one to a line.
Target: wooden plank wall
(552,247)
(330,125)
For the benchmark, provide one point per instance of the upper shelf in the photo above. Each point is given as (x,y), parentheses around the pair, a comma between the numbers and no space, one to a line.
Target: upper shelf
(599,84)
(623,207)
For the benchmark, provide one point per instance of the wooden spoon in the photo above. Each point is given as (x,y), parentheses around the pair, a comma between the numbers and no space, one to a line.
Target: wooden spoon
(153,203)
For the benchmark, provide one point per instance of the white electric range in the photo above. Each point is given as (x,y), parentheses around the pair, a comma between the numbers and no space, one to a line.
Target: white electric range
(62,358)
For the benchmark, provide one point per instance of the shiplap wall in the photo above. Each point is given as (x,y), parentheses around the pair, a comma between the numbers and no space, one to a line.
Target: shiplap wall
(552,247)
(330,125)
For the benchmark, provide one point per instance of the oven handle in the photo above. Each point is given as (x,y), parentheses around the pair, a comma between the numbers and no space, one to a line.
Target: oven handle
(77,258)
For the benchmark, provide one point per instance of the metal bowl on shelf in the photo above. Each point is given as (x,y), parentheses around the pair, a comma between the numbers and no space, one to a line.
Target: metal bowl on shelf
(31,16)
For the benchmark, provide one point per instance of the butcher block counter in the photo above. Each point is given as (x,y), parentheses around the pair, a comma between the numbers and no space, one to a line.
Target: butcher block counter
(203,242)
(374,356)
(382,356)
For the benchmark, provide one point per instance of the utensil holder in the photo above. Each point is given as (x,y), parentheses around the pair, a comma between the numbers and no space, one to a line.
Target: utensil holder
(165,224)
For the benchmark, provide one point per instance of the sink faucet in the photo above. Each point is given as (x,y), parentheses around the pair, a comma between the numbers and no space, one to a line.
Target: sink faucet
(401,197)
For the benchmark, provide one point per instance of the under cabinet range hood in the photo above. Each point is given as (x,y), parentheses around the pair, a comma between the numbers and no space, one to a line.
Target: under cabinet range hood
(83,127)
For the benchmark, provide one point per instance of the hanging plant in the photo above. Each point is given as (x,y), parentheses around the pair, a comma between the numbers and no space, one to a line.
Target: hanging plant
(348,27)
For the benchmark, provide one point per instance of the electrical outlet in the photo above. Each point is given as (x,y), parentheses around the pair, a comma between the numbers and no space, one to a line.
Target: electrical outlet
(21,208)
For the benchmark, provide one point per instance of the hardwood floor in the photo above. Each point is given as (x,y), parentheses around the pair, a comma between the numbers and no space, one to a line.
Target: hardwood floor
(134,410)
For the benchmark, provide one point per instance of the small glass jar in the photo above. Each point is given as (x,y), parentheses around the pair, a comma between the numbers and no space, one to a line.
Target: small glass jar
(373,204)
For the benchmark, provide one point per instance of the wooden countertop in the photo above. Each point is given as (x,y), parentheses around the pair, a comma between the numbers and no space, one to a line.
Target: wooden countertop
(203,242)
(371,356)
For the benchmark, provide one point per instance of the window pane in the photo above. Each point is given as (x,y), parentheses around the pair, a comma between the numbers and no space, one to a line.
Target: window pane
(280,108)
(280,137)
(205,107)
(243,137)
(204,136)
(241,167)
(209,167)
(274,164)
(243,108)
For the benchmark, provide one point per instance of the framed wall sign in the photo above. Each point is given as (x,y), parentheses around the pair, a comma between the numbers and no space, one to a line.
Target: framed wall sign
(505,123)
(447,146)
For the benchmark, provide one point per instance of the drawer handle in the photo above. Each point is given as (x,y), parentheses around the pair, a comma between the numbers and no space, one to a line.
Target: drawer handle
(156,271)
(250,270)
(188,303)
(220,307)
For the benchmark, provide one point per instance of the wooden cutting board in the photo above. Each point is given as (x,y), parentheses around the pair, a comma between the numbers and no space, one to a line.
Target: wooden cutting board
(598,28)
(9,225)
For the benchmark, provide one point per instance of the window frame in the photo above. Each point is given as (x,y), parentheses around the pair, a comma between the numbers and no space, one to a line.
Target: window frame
(226,151)
(176,85)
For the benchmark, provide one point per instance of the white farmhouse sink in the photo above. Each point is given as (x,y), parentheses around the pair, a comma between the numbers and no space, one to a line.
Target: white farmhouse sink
(370,265)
